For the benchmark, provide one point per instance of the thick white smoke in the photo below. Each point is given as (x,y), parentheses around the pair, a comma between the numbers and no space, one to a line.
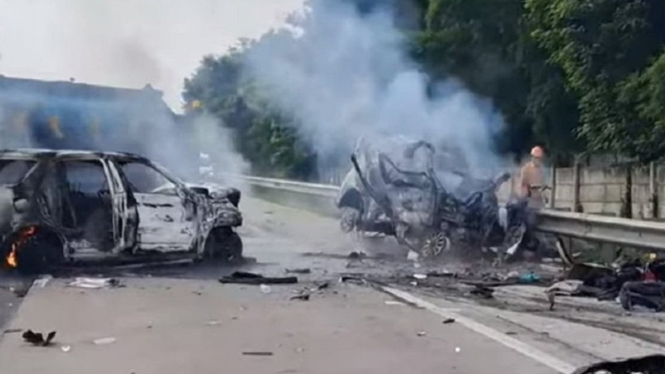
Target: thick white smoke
(344,75)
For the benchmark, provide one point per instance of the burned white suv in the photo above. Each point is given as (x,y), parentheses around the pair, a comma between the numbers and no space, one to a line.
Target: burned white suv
(59,207)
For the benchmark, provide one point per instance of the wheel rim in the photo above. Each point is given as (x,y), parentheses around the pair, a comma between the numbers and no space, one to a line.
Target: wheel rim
(435,244)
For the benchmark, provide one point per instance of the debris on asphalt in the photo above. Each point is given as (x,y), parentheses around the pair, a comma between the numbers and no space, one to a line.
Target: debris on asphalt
(357,255)
(299,271)
(12,331)
(322,286)
(265,289)
(352,279)
(95,283)
(419,276)
(104,341)
(412,256)
(240,277)
(66,348)
(422,333)
(650,294)
(393,302)
(257,353)
(458,349)
(213,323)
(442,274)
(302,297)
(482,291)
(37,338)
(652,364)
(448,320)
(568,287)
(42,281)
(529,278)
(511,333)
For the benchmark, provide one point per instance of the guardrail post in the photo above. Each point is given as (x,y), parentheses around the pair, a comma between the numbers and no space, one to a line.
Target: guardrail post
(577,207)
(653,189)
(552,204)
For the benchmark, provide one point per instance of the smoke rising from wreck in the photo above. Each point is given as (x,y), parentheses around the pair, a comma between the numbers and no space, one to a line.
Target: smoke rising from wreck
(345,75)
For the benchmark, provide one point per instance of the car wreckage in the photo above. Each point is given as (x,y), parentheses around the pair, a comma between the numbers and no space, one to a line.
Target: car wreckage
(60,207)
(393,189)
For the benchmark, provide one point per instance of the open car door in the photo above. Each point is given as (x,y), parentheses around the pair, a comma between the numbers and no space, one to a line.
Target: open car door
(167,220)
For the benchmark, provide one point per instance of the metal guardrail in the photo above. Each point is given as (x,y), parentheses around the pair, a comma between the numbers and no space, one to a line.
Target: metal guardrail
(612,230)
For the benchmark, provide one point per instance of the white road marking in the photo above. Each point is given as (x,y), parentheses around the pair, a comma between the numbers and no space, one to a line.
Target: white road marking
(523,348)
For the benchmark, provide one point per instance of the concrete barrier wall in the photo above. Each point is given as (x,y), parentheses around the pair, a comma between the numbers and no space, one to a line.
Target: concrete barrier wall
(602,190)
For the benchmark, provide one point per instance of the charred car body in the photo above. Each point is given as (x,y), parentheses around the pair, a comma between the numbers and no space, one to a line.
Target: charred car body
(58,207)
(393,189)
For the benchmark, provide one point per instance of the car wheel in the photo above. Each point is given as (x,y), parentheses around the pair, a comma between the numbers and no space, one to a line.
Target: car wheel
(224,244)
(349,220)
(39,254)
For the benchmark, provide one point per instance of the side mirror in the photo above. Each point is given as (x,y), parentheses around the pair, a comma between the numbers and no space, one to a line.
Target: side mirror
(21,205)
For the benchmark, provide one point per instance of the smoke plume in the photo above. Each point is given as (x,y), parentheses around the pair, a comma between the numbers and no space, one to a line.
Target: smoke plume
(344,74)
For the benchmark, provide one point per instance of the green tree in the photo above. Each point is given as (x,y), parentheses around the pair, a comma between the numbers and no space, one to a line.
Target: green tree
(605,49)
(261,134)
(487,45)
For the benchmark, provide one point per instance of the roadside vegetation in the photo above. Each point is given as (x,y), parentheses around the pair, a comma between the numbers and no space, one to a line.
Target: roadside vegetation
(573,75)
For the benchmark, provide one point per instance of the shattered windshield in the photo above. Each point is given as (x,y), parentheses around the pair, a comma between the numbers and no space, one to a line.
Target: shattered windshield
(13,171)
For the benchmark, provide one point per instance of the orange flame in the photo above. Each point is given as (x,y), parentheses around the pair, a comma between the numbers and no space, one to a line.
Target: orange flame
(11,259)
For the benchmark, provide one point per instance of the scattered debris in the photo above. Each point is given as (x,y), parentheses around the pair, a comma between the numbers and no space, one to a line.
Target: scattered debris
(419,276)
(302,297)
(352,279)
(37,338)
(645,294)
(482,291)
(240,277)
(299,271)
(42,281)
(257,353)
(569,287)
(66,348)
(412,256)
(12,331)
(442,274)
(458,349)
(422,333)
(95,283)
(322,286)
(394,302)
(652,364)
(511,333)
(529,278)
(103,341)
(357,255)
(213,323)
(551,298)
(265,289)
(448,320)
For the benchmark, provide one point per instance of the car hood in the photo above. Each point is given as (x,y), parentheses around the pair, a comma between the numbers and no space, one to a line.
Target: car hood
(217,192)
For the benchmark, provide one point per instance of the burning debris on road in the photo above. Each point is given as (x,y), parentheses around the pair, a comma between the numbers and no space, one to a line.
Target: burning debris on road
(59,207)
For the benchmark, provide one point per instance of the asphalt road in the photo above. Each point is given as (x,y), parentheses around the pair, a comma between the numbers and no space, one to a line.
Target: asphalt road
(181,320)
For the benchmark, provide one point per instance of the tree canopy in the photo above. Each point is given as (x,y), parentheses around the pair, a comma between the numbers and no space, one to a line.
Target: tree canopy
(572,75)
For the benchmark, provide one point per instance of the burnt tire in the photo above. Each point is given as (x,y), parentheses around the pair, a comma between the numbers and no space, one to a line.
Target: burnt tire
(39,254)
(223,245)
(349,220)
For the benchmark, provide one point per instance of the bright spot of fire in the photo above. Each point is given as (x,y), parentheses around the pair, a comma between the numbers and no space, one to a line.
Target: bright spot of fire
(11,259)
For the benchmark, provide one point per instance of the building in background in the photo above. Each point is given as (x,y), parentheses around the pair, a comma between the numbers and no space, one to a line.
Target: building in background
(68,115)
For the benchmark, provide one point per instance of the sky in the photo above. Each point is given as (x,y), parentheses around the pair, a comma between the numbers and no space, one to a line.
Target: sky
(127,43)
